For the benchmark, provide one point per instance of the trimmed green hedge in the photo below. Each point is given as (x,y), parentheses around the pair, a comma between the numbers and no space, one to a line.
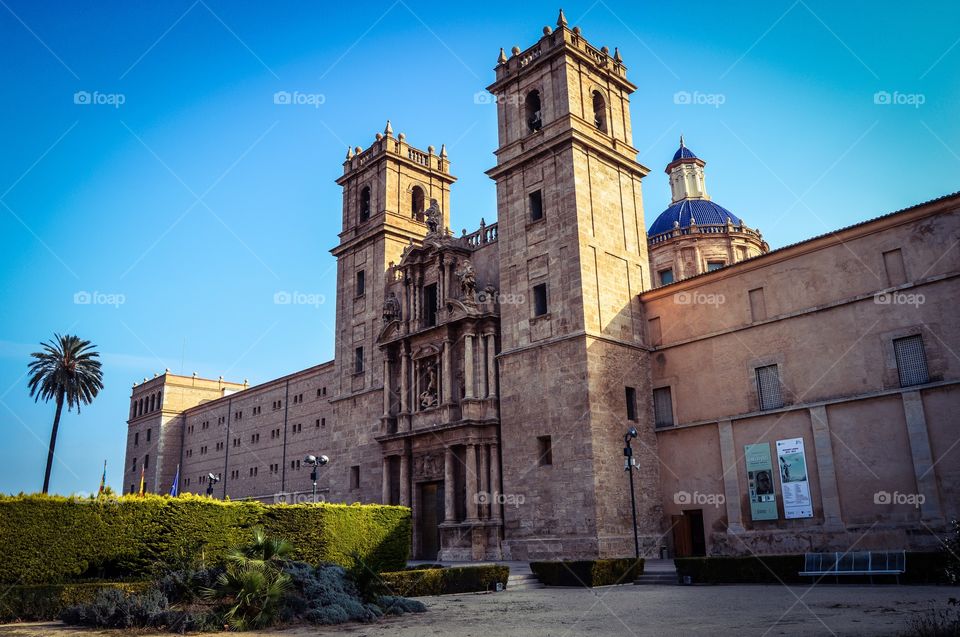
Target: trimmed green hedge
(51,539)
(44,603)
(922,568)
(588,572)
(443,581)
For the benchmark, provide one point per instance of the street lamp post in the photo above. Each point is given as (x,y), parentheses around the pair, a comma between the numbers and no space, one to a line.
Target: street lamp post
(315,461)
(628,464)
(211,480)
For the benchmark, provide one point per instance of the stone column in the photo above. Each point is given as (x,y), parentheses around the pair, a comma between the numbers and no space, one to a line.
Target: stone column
(449,482)
(471,483)
(404,382)
(468,366)
(386,386)
(826,471)
(922,456)
(731,477)
(495,482)
(404,480)
(482,351)
(385,491)
(491,365)
(484,483)
(447,374)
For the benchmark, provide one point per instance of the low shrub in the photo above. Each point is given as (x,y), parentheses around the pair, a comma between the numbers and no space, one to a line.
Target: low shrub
(46,602)
(589,573)
(921,568)
(134,537)
(444,581)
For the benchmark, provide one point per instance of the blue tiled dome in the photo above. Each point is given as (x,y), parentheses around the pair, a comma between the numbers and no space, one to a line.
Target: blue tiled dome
(683,153)
(703,210)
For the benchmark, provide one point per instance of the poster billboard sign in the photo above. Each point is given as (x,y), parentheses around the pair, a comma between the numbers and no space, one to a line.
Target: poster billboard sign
(793,479)
(763,499)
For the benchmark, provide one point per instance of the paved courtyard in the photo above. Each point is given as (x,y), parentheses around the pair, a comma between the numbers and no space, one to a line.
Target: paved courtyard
(638,610)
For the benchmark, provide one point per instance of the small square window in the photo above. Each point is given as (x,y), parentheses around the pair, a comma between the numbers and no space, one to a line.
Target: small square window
(355,477)
(536,205)
(540,299)
(631,396)
(544,451)
(666,276)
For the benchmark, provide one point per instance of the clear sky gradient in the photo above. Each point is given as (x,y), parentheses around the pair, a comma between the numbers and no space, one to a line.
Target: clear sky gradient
(197,199)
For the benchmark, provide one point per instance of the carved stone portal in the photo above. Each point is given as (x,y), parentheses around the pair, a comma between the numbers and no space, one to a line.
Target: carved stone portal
(428,466)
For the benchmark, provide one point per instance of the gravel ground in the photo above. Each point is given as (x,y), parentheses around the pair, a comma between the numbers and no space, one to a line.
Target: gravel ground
(635,610)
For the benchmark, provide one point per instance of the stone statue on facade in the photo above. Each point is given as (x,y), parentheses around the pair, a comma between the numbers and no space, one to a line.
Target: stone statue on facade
(391,309)
(434,217)
(428,397)
(468,281)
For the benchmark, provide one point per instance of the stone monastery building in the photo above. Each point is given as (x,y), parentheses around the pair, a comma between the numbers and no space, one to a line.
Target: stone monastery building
(803,398)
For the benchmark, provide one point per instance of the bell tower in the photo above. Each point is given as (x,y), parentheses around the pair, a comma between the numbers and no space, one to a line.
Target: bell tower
(387,189)
(573,260)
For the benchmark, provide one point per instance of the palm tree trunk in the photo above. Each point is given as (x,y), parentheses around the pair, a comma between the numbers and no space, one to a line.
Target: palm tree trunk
(53,442)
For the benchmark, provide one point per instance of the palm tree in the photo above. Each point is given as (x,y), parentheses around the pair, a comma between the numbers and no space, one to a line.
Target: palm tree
(67,370)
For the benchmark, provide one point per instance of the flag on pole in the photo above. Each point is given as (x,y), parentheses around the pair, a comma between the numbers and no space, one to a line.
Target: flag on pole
(176,483)
(142,480)
(103,479)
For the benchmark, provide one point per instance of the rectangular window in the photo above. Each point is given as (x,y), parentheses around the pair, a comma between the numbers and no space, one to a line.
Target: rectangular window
(358,360)
(136,438)
(540,299)
(146,461)
(662,407)
(355,477)
(768,387)
(758,305)
(148,435)
(536,205)
(544,450)
(430,305)
(714,265)
(361,283)
(656,337)
(631,395)
(911,360)
(666,276)
(893,264)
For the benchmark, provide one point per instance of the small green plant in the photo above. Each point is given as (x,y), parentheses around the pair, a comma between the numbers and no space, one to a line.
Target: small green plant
(368,582)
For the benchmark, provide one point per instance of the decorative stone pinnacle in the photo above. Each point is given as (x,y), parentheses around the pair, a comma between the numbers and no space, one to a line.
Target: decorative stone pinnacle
(379,136)
(388,131)
(515,50)
(349,153)
(561,19)
(358,150)
(502,58)
(616,54)
(443,151)
(547,30)
(430,149)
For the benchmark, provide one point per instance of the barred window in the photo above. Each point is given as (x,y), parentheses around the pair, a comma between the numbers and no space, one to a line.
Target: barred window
(911,360)
(662,407)
(768,387)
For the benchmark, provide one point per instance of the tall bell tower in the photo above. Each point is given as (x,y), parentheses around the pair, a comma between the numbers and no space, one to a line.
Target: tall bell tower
(573,260)
(387,189)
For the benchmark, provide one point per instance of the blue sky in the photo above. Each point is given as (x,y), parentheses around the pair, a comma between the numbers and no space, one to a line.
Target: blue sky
(190,204)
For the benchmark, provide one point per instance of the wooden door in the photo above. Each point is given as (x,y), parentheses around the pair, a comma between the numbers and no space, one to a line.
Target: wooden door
(431,514)
(682,540)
